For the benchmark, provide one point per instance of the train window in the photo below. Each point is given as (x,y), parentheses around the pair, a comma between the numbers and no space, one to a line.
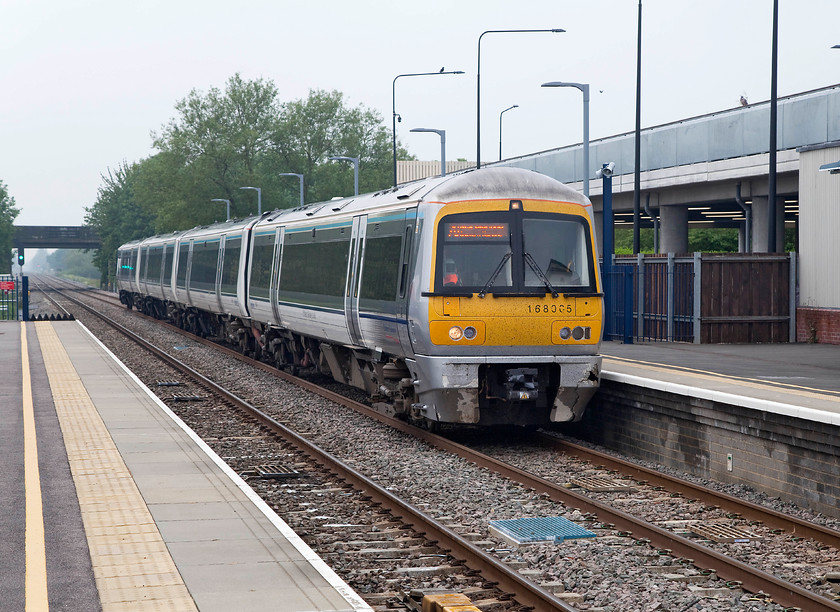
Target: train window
(405,260)
(132,266)
(559,249)
(205,264)
(154,258)
(230,265)
(124,270)
(183,257)
(261,261)
(145,263)
(314,272)
(476,249)
(165,267)
(318,268)
(381,272)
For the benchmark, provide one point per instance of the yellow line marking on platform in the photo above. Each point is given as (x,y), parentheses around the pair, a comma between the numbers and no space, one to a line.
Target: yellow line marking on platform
(754,383)
(131,564)
(36,552)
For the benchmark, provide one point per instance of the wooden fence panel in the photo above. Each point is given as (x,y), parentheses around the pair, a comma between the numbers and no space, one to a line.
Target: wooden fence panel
(745,298)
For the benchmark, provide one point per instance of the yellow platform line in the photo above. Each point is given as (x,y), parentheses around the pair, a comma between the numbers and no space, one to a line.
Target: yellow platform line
(36,598)
(131,564)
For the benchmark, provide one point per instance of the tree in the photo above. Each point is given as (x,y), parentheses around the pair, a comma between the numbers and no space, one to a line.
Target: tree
(117,217)
(222,141)
(311,130)
(8,214)
(210,150)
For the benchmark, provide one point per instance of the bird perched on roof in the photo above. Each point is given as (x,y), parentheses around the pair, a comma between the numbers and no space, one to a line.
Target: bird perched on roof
(441,68)
(744,101)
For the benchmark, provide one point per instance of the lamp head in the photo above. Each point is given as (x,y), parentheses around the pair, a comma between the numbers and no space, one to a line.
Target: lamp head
(606,171)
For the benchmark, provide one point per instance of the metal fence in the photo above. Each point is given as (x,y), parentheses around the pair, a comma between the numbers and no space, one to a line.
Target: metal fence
(709,298)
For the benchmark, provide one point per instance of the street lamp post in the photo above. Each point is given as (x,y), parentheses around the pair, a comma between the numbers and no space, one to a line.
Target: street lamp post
(500,127)
(396,117)
(774,104)
(227,218)
(355,161)
(606,173)
(584,88)
(442,134)
(478,85)
(637,140)
(259,198)
(300,178)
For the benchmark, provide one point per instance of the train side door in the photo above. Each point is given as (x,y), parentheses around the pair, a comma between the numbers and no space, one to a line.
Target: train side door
(277,262)
(351,297)
(220,260)
(188,275)
(406,273)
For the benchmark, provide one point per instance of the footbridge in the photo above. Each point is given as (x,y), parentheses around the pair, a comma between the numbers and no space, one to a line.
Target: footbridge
(54,237)
(706,171)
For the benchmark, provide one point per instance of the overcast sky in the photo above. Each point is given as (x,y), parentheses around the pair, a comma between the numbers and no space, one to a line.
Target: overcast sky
(84,82)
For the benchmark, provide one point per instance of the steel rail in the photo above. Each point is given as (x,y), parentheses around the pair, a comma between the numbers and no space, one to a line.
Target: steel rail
(508,580)
(727,568)
(746,509)
(39,282)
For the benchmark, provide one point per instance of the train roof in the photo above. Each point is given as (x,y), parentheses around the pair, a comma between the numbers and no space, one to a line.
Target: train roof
(492,182)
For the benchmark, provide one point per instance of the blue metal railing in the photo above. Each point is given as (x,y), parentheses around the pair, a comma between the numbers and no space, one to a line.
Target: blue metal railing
(650,299)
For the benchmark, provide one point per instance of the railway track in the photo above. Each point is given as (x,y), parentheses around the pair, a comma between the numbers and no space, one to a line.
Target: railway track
(734,572)
(429,534)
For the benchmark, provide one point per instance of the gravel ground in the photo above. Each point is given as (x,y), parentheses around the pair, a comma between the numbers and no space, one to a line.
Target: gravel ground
(605,573)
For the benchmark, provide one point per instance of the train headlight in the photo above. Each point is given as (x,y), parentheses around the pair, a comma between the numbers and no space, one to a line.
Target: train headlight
(565,333)
(456,333)
(470,332)
(577,333)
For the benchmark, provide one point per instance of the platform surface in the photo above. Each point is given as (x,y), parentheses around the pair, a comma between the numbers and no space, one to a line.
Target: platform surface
(137,513)
(801,380)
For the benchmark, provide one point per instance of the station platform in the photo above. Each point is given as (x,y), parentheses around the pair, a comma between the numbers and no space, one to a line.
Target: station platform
(795,380)
(109,502)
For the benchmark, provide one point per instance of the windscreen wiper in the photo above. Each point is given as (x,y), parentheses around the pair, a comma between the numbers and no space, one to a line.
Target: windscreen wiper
(493,276)
(530,260)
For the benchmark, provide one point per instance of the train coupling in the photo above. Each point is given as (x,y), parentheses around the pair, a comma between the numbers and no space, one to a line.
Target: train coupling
(521,384)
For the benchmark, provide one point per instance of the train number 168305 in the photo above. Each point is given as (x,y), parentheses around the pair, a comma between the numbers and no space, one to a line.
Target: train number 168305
(550,309)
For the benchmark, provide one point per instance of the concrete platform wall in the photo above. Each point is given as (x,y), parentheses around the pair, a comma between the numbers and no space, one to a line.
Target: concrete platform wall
(779,455)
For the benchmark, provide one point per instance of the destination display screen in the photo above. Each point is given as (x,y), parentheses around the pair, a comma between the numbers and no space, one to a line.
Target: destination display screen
(476,231)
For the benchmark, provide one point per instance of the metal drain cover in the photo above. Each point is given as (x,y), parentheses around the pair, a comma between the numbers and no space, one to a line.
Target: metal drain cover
(275,470)
(594,483)
(722,533)
(532,530)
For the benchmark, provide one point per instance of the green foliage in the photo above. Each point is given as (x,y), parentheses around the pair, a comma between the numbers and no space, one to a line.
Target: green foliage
(117,217)
(310,131)
(220,141)
(73,263)
(700,240)
(8,214)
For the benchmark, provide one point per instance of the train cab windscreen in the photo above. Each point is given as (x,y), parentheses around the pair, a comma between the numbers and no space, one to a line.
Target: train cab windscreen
(514,252)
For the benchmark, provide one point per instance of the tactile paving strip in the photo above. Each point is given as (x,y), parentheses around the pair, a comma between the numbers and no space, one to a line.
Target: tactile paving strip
(131,563)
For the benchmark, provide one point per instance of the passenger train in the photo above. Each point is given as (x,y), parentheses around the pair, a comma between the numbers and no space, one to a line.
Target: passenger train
(473,298)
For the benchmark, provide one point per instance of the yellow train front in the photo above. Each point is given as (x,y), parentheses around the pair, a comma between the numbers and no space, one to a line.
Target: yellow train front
(506,306)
